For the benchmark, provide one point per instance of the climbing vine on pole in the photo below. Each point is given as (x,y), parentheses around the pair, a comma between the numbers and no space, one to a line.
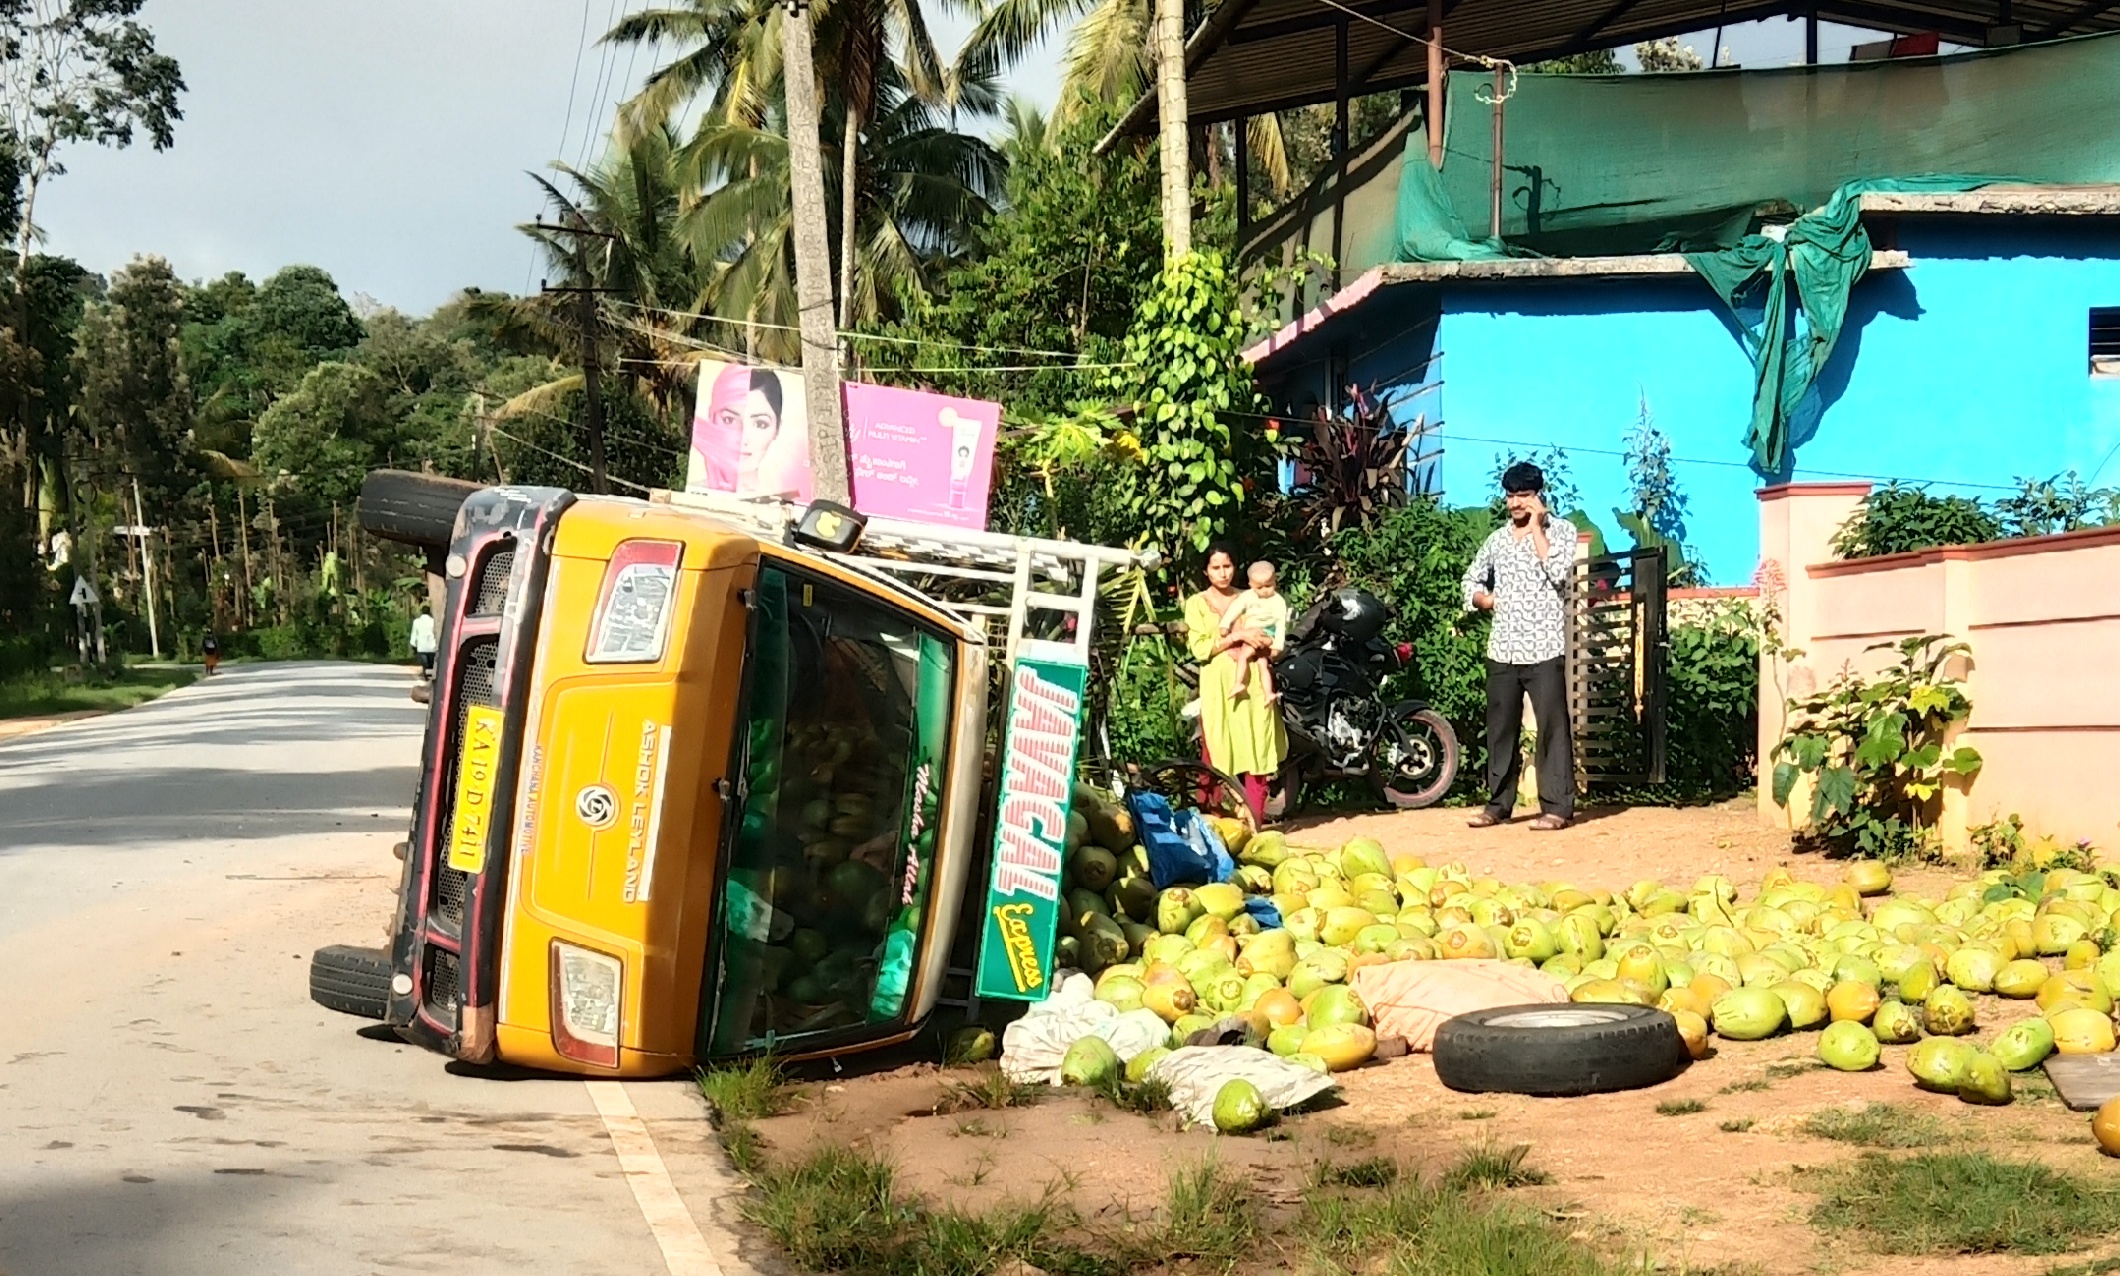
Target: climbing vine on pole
(1186,378)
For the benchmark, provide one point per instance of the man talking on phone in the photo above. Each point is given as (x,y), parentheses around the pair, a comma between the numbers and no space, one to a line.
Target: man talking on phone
(1522,574)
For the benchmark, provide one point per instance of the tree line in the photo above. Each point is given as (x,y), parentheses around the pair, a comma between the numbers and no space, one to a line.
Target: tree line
(215,433)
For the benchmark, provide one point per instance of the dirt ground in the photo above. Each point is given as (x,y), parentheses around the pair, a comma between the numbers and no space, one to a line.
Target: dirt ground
(1721,1188)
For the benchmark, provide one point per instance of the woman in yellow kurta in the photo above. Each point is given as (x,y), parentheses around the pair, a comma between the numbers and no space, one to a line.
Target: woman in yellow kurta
(1244,736)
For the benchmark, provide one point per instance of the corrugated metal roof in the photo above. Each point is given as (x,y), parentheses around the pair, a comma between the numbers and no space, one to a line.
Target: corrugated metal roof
(1254,56)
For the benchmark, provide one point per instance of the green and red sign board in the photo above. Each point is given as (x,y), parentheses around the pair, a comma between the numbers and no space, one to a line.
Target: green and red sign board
(1021,922)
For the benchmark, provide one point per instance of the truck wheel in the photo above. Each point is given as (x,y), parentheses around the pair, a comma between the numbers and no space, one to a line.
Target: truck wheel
(354,981)
(1562,1048)
(415,509)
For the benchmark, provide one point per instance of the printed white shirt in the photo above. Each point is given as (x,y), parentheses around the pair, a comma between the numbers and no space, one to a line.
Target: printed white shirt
(1530,597)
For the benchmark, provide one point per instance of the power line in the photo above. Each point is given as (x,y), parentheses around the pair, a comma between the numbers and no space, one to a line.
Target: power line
(848,333)
(567,125)
(605,59)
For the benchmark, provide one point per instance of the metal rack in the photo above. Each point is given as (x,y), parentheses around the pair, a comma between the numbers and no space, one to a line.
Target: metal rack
(1051,585)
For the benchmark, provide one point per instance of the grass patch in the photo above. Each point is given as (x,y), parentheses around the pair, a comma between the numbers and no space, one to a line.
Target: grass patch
(1680,1107)
(740,1141)
(745,1091)
(1377,1171)
(1963,1203)
(840,1211)
(1792,1068)
(1419,1229)
(39,695)
(1147,1096)
(1737,1125)
(2096,1267)
(1880,1125)
(1754,1085)
(1211,1219)
(990,1090)
(1488,1167)
(1477,1114)
(1350,1136)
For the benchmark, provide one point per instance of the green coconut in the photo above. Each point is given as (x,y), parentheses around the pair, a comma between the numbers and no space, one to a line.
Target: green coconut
(1986,1081)
(1939,1063)
(1947,1013)
(1240,1108)
(2024,1045)
(1896,1023)
(1748,1014)
(1848,1046)
(1089,1062)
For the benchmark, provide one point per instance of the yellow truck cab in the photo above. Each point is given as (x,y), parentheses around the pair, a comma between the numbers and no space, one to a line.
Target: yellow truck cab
(702,778)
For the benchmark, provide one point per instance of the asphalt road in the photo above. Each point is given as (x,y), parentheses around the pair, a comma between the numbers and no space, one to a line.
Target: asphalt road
(171,1102)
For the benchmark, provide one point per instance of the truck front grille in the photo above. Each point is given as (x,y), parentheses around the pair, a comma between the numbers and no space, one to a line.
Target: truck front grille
(443,983)
(493,581)
(476,672)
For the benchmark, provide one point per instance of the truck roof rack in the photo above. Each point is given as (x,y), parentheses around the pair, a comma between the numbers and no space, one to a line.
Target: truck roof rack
(1051,586)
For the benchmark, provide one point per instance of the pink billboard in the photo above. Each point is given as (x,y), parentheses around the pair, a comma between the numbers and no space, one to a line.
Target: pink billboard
(922,457)
(926,458)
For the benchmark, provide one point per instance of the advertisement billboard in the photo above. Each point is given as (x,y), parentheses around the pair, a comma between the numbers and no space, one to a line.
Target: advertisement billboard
(750,432)
(926,458)
(921,457)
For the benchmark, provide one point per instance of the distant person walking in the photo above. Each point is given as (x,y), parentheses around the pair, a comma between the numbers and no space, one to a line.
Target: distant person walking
(423,643)
(210,652)
(1522,574)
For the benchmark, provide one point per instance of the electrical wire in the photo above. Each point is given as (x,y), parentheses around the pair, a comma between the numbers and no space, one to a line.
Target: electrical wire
(567,125)
(847,333)
(1503,65)
(568,460)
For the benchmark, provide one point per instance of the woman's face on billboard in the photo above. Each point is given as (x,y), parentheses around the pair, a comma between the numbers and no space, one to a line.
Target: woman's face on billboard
(756,425)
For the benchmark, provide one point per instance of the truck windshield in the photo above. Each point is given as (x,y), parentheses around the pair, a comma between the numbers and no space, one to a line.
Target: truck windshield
(826,880)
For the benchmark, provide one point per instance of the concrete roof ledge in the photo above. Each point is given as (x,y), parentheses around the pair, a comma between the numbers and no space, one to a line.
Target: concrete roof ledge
(1517,268)
(2024,201)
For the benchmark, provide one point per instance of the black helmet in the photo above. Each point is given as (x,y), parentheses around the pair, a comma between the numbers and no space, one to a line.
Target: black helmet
(1354,614)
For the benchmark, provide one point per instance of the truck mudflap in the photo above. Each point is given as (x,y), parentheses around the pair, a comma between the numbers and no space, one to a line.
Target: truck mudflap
(445,952)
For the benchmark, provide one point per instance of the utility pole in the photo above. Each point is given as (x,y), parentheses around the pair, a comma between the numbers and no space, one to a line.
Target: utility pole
(813,260)
(1171,111)
(586,318)
(147,555)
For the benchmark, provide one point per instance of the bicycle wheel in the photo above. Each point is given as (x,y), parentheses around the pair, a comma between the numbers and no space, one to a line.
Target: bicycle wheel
(1198,786)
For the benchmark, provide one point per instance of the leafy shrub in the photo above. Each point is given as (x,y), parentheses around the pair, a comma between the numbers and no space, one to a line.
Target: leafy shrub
(1900,519)
(1874,751)
(1712,706)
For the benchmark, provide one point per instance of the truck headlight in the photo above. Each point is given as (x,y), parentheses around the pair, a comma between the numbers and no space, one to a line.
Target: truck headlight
(632,623)
(587,988)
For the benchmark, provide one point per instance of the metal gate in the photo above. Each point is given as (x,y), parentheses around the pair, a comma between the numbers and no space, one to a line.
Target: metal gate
(1617,649)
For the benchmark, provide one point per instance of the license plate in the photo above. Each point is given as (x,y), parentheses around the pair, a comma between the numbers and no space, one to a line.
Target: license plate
(477,764)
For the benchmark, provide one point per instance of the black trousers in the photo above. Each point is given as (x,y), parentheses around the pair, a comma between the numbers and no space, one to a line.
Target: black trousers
(1547,685)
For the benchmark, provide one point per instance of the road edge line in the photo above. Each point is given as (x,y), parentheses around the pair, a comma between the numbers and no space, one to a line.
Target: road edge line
(684,1248)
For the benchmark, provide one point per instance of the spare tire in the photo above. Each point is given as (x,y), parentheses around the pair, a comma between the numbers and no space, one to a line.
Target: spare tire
(416,509)
(354,981)
(1563,1048)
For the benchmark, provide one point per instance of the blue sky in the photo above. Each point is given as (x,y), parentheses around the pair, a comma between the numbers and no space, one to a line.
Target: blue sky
(387,141)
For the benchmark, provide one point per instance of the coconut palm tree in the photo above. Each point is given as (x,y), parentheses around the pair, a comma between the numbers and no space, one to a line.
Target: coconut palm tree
(1109,58)
(732,59)
(614,228)
(921,191)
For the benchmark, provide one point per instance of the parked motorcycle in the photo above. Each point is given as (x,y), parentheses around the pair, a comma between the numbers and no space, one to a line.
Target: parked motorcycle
(1330,675)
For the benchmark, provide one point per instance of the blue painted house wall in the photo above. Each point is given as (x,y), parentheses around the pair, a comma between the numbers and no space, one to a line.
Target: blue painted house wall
(1970,368)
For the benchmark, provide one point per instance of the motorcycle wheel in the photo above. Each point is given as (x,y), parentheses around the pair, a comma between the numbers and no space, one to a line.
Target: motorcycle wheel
(1414,759)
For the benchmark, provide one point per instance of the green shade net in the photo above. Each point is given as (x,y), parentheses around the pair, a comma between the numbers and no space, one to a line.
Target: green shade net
(1598,165)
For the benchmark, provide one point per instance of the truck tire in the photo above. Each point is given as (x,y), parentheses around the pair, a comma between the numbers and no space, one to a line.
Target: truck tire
(354,981)
(415,509)
(1562,1048)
